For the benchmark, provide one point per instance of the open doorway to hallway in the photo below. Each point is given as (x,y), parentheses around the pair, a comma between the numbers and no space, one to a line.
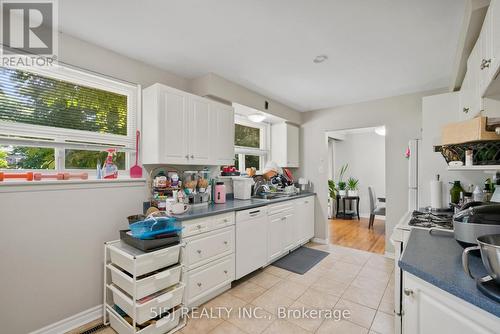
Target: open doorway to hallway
(356,160)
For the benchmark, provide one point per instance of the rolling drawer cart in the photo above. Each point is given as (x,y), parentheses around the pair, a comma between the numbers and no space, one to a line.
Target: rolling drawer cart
(139,286)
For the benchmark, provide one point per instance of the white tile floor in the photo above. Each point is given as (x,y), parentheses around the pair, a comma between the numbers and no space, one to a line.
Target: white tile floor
(347,279)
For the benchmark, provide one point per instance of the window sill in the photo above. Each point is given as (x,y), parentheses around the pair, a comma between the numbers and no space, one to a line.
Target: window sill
(15,186)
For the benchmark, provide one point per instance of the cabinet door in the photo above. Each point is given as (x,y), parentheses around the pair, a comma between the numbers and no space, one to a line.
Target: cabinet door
(495,34)
(275,237)
(428,309)
(292,145)
(304,211)
(486,57)
(291,231)
(309,218)
(467,97)
(199,131)
(173,133)
(222,144)
(473,66)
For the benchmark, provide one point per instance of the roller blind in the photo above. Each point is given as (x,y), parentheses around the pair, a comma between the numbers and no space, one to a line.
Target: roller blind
(35,99)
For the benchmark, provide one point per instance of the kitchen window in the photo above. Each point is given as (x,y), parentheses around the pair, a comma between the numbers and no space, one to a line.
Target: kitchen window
(63,118)
(251,143)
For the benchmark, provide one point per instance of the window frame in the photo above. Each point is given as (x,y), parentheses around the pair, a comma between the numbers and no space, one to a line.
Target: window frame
(262,152)
(20,134)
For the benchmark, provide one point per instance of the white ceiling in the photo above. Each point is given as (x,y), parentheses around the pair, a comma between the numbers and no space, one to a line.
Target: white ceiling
(375,48)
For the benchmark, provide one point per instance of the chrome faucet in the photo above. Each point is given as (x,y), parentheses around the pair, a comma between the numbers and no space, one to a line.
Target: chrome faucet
(259,185)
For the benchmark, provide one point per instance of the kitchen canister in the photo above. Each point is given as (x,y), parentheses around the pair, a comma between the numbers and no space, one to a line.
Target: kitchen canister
(220,193)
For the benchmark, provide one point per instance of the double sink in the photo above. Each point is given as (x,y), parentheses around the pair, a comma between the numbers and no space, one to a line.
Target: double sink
(267,197)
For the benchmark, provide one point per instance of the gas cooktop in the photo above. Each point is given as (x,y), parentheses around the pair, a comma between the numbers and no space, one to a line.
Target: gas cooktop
(442,220)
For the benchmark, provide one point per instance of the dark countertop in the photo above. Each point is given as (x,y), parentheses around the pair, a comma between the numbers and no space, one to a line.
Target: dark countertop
(437,259)
(233,205)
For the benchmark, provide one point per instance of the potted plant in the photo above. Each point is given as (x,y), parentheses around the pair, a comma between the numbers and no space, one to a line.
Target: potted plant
(332,189)
(352,187)
(342,185)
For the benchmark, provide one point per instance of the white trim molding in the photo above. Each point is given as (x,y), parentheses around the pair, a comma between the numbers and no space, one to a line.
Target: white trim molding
(72,322)
(320,241)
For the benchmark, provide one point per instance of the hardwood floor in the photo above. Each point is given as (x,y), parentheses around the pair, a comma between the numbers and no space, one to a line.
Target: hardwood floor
(355,234)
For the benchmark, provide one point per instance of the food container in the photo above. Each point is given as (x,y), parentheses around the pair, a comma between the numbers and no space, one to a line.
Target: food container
(242,187)
(149,245)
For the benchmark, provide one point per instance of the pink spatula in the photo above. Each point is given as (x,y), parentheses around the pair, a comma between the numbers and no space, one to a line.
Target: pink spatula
(136,170)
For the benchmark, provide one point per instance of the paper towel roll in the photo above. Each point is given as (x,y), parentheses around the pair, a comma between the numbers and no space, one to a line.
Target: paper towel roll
(436,194)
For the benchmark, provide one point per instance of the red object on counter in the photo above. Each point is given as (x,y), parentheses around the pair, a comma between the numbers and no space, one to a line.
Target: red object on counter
(27,176)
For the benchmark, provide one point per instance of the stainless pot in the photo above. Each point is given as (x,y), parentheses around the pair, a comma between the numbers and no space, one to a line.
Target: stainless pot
(489,245)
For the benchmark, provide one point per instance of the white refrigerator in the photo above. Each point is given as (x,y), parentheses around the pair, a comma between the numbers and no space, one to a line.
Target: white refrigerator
(412,154)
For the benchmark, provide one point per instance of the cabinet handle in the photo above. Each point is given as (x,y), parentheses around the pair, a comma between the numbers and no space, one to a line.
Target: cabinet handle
(199,284)
(199,251)
(225,271)
(225,242)
(466,110)
(485,63)
(192,156)
(283,218)
(198,226)
(408,292)
(187,156)
(307,202)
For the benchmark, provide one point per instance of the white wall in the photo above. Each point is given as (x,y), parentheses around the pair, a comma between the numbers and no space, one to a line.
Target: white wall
(74,51)
(52,244)
(402,116)
(216,86)
(365,154)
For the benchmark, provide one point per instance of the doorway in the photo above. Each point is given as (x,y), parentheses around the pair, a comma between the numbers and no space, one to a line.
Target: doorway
(357,180)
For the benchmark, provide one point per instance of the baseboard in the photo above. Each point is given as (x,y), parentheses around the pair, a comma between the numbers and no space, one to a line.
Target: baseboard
(72,322)
(320,241)
(389,255)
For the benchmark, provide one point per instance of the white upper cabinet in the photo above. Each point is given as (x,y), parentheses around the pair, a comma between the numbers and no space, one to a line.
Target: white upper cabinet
(222,126)
(483,65)
(285,144)
(199,130)
(486,53)
(495,34)
(182,128)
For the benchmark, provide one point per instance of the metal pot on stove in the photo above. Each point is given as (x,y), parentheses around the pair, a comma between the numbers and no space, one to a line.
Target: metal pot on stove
(475,220)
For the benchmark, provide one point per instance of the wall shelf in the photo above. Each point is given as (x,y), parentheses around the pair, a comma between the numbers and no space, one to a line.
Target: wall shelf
(485,168)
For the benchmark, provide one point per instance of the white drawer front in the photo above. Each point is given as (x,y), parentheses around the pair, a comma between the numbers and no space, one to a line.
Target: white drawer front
(209,246)
(224,220)
(206,224)
(148,285)
(164,325)
(211,276)
(148,310)
(124,256)
(196,226)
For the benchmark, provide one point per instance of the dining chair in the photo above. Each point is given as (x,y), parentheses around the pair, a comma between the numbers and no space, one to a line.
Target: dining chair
(374,209)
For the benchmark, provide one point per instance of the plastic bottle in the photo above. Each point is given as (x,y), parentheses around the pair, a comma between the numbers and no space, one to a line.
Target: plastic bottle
(110,170)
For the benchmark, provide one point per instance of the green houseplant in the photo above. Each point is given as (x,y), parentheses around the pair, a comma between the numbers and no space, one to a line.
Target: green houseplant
(332,189)
(342,185)
(352,186)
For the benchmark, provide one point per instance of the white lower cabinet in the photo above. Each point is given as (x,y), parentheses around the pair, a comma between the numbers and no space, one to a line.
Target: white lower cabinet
(290,224)
(208,257)
(201,282)
(428,309)
(304,219)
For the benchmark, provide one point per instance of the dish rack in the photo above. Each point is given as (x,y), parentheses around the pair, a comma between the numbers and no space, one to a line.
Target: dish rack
(143,292)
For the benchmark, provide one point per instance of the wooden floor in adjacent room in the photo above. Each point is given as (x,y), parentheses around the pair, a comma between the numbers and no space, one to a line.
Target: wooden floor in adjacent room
(355,234)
